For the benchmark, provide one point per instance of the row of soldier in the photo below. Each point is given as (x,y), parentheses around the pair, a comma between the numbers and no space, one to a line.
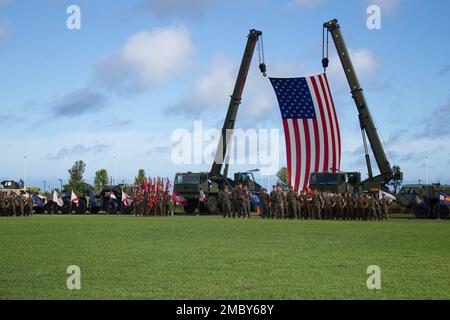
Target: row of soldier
(15,205)
(146,203)
(293,205)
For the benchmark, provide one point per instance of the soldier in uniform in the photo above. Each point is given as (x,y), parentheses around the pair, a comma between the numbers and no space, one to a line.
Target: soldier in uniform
(168,205)
(299,199)
(160,203)
(13,204)
(280,203)
(21,205)
(225,200)
(273,209)
(29,203)
(247,197)
(236,203)
(384,209)
(292,205)
(2,204)
(317,206)
(265,204)
(136,201)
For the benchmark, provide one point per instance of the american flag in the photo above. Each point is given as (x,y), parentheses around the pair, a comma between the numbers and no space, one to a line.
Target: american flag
(311,127)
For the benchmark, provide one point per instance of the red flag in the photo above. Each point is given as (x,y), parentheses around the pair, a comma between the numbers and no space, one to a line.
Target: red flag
(166,191)
(179,199)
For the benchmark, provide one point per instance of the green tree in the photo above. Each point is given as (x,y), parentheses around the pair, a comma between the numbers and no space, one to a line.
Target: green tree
(282,175)
(100,180)
(396,182)
(76,173)
(140,177)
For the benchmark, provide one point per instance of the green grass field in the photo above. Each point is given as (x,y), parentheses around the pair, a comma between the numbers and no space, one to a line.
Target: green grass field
(211,258)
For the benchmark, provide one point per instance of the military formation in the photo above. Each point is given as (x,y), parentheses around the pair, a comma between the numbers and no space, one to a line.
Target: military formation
(15,205)
(289,204)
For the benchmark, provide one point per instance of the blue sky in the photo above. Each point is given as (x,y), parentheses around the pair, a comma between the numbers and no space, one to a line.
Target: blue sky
(102,92)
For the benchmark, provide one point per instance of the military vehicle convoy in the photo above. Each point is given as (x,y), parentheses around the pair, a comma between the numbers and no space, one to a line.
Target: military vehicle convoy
(423,200)
(189,184)
(91,202)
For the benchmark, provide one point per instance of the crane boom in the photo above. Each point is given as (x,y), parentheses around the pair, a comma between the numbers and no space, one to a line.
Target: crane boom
(235,101)
(365,118)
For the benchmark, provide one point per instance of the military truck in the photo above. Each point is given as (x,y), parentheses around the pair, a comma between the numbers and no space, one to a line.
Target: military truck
(91,202)
(190,184)
(337,182)
(10,186)
(423,200)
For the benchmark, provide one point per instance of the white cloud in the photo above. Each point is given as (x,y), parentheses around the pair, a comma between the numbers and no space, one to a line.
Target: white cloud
(304,3)
(387,6)
(147,59)
(4,32)
(212,91)
(364,63)
(192,8)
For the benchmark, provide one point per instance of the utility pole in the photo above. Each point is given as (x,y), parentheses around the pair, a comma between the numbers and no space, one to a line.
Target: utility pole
(25,172)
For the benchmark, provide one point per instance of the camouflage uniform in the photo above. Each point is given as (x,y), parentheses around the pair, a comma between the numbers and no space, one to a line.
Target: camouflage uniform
(247,198)
(317,206)
(292,205)
(225,200)
(235,202)
(265,204)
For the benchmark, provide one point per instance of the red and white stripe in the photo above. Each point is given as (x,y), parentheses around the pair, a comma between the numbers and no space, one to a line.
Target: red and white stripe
(313,145)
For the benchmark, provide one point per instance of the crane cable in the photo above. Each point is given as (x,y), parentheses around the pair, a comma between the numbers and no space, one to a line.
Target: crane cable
(262,63)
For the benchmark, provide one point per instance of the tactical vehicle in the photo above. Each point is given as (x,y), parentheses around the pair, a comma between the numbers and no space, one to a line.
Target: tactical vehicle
(10,186)
(91,202)
(423,199)
(189,184)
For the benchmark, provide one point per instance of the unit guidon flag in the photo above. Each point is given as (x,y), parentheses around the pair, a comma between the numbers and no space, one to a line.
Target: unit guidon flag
(311,127)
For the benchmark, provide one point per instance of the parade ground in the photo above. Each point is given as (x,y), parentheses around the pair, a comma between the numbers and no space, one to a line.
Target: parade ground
(190,257)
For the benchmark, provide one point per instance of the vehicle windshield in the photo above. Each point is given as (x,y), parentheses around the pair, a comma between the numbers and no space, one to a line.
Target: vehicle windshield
(327,178)
(187,178)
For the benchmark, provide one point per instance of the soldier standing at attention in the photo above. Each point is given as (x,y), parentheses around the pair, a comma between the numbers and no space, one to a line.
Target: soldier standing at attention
(2,204)
(384,209)
(235,198)
(29,204)
(317,206)
(247,197)
(292,204)
(279,202)
(299,199)
(168,205)
(273,210)
(160,204)
(265,204)
(225,200)
(21,202)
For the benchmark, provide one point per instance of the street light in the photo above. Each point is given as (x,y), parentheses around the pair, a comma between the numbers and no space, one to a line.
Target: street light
(60,181)
(45,182)
(25,172)
(115,170)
